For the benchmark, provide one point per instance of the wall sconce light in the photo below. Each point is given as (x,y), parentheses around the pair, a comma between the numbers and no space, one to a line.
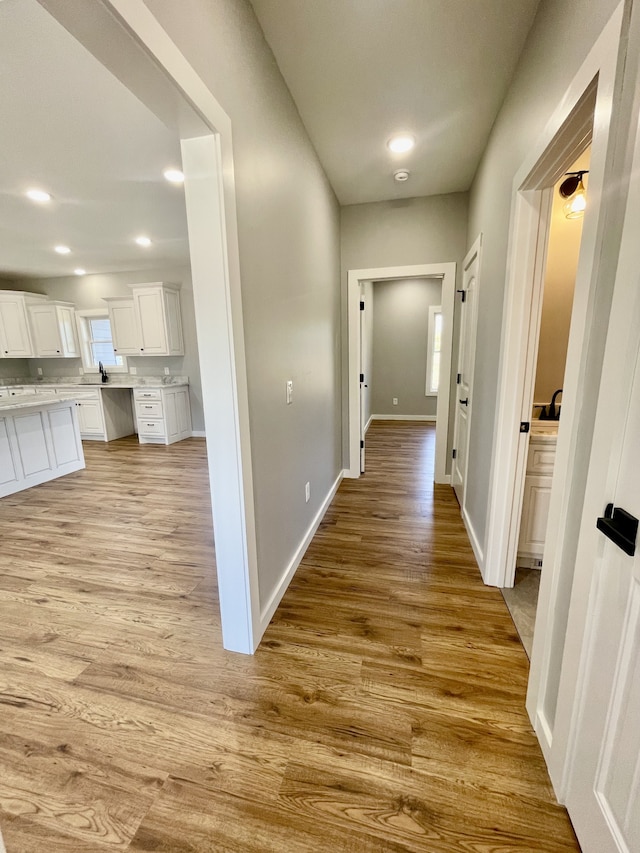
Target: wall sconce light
(573,190)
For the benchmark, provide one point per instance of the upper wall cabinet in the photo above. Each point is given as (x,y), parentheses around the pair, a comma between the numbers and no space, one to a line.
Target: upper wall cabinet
(15,333)
(124,325)
(54,330)
(148,324)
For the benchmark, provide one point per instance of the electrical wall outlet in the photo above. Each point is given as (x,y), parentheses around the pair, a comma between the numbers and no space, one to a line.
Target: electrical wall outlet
(395,401)
(133,371)
(167,372)
(289,392)
(307,492)
(39,371)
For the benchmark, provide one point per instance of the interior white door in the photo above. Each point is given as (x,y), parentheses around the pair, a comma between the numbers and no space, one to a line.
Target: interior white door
(466,360)
(604,792)
(603,788)
(363,381)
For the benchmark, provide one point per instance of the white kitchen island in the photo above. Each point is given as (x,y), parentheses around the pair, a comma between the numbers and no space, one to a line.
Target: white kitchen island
(39,441)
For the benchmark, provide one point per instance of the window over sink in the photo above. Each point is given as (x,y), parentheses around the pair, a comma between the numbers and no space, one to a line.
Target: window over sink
(96,339)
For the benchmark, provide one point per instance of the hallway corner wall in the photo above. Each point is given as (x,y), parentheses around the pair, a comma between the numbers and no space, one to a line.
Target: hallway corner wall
(288,233)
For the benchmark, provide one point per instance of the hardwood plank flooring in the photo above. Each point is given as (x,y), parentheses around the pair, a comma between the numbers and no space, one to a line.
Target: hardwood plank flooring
(383,711)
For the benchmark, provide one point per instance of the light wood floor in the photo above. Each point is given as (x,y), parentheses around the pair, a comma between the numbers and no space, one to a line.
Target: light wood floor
(383,712)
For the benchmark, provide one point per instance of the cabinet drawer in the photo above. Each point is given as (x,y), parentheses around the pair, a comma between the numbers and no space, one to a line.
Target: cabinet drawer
(541,459)
(147,394)
(151,427)
(148,409)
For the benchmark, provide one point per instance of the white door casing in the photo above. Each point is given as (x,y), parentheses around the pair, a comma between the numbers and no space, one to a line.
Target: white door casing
(465,366)
(125,36)
(448,273)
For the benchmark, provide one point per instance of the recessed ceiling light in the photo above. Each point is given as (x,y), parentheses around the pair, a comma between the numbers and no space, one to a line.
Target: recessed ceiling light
(401,143)
(38,195)
(174,176)
(143,241)
(80,271)
(62,250)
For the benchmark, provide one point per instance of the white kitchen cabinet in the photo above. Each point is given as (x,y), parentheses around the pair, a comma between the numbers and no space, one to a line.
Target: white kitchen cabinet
(150,323)
(15,332)
(54,330)
(535,503)
(163,415)
(91,418)
(124,325)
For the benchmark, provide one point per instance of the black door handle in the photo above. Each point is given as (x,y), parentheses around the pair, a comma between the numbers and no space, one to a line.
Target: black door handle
(465,402)
(619,526)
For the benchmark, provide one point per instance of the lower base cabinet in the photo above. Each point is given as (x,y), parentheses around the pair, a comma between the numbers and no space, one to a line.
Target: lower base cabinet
(535,502)
(163,415)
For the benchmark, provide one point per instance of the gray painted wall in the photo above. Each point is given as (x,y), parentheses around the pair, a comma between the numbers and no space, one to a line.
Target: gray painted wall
(427,230)
(288,228)
(89,292)
(400,345)
(548,64)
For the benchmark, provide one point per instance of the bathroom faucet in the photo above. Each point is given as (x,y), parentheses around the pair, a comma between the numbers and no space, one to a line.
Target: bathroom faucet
(554,414)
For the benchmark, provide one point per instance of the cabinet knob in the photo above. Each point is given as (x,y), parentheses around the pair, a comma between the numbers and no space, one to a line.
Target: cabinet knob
(57,350)
(115,350)
(141,349)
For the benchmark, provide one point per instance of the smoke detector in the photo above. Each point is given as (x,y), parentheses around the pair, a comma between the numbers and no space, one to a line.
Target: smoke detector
(401,175)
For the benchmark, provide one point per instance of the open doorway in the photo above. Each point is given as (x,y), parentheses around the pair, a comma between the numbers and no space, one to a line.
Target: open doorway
(360,395)
(561,268)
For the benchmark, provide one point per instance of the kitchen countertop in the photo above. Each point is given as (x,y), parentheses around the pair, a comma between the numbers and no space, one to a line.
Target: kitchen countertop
(29,401)
(84,382)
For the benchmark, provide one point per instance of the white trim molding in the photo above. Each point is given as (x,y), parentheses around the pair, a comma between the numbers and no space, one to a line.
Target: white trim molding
(447,272)
(276,597)
(429,418)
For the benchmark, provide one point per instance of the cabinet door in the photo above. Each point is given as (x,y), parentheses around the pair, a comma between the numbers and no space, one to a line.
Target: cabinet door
(183,411)
(14,326)
(535,513)
(8,470)
(124,327)
(46,334)
(173,320)
(67,330)
(171,415)
(150,314)
(90,417)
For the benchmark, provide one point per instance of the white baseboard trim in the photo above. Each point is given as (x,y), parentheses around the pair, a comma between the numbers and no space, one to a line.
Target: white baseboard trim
(473,539)
(276,597)
(430,418)
(368,424)
(198,433)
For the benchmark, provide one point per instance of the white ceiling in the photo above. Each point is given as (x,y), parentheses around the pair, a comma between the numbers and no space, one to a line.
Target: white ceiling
(68,126)
(360,70)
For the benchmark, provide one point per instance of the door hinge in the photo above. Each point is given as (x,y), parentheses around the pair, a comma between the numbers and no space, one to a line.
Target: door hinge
(463,295)
(524,426)
(362,445)
(362,306)
(362,377)
(458,378)
(454,453)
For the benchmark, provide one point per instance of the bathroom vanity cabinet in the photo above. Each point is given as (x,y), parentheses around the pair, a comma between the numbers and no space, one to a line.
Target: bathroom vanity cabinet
(537,492)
